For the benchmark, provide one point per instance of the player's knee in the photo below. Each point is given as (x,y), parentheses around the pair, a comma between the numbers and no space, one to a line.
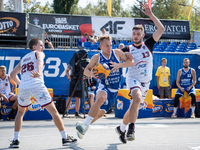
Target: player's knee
(101,100)
(137,100)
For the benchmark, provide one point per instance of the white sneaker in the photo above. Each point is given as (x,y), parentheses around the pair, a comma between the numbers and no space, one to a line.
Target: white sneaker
(79,135)
(174,115)
(81,127)
(192,115)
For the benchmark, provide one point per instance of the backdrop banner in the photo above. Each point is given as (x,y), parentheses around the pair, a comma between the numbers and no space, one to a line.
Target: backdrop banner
(62,24)
(174,29)
(12,23)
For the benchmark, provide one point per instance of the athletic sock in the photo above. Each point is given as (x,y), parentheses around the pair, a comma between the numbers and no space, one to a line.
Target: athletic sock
(63,134)
(175,109)
(192,108)
(88,120)
(123,127)
(16,136)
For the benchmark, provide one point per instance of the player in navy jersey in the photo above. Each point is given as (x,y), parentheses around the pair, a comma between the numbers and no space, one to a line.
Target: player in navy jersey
(186,80)
(106,90)
(139,76)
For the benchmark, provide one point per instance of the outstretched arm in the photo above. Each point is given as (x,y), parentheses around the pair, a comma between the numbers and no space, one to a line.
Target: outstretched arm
(160,28)
(14,73)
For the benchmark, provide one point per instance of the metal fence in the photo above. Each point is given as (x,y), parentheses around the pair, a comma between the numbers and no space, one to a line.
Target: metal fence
(35,32)
(196,37)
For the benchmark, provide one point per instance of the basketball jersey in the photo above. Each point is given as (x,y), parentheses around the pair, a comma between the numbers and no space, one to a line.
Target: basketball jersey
(142,70)
(5,85)
(28,64)
(186,78)
(113,80)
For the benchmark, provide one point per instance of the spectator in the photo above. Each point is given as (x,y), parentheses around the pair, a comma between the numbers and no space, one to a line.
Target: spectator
(121,46)
(103,30)
(84,39)
(5,93)
(186,80)
(163,80)
(47,42)
(92,37)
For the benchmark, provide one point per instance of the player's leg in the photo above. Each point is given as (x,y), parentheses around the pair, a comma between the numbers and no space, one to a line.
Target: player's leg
(100,99)
(192,94)
(13,98)
(178,94)
(91,98)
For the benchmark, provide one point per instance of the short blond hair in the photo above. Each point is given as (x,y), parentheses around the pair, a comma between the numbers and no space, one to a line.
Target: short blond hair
(104,37)
(138,27)
(164,59)
(3,67)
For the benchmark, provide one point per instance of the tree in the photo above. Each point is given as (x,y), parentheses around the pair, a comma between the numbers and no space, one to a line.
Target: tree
(136,9)
(64,6)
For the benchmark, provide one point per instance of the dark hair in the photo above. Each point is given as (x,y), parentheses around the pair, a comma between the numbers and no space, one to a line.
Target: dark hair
(33,42)
(138,27)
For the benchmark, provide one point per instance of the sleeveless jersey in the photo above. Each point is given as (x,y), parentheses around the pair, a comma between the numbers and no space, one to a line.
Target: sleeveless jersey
(29,63)
(142,70)
(186,78)
(5,85)
(112,82)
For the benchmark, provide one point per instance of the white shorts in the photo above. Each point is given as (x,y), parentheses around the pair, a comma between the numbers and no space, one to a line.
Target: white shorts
(8,96)
(134,84)
(40,93)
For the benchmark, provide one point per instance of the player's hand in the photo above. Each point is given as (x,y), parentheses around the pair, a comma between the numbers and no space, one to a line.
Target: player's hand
(11,93)
(114,65)
(94,73)
(5,98)
(182,90)
(147,11)
(129,55)
(189,88)
(35,74)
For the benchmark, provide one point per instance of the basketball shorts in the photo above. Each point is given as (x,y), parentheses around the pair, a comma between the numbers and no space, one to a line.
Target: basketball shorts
(134,84)
(192,90)
(40,93)
(111,97)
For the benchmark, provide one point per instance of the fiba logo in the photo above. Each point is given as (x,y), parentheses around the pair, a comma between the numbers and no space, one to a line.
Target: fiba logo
(119,104)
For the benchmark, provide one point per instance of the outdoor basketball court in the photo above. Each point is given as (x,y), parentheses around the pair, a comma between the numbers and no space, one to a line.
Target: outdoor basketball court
(151,134)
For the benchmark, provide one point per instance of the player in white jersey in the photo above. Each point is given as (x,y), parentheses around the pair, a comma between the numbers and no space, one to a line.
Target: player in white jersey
(139,76)
(5,93)
(32,84)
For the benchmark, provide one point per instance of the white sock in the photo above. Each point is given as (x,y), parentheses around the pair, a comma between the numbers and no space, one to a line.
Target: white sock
(88,120)
(192,108)
(16,136)
(123,127)
(175,109)
(63,134)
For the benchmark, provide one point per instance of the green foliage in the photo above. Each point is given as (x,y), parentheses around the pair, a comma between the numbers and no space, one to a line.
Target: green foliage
(65,6)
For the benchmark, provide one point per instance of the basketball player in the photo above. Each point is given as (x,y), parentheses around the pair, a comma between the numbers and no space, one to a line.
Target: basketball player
(139,76)
(106,89)
(32,84)
(5,93)
(186,80)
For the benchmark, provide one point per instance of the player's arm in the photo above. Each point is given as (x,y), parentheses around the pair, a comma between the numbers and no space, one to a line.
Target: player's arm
(14,85)
(160,28)
(122,57)
(14,73)
(193,78)
(40,62)
(4,98)
(88,71)
(178,80)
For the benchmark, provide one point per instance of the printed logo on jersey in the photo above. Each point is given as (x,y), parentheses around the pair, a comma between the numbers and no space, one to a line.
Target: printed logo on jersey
(142,64)
(43,97)
(120,104)
(6,84)
(189,75)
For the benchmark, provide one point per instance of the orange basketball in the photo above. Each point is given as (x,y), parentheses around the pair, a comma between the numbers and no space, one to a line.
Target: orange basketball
(103,70)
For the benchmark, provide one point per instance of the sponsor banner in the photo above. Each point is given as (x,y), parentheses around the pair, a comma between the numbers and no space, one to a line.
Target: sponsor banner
(62,24)
(115,27)
(12,23)
(173,29)
(56,63)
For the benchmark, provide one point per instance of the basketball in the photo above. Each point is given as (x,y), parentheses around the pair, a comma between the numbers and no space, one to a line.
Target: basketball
(103,70)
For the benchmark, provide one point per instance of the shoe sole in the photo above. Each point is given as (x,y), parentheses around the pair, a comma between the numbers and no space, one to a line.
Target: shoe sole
(130,138)
(80,129)
(70,143)
(14,146)
(80,136)
(119,135)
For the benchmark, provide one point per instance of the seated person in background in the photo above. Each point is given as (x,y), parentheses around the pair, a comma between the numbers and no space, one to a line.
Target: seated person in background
(103,30)
(121,45)
(47,42)
(92,37)
(5,93)
(84,39)
(91,84)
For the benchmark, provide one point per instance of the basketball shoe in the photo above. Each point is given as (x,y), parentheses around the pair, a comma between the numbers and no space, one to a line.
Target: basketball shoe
(121,134)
